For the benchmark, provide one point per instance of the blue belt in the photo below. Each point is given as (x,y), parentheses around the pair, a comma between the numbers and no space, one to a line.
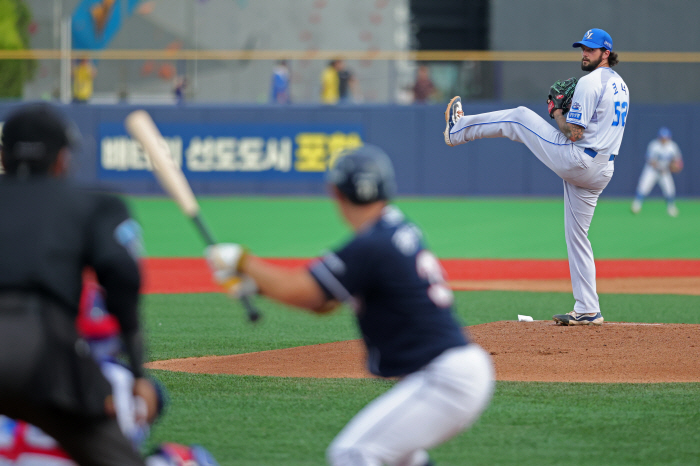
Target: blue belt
(593,153)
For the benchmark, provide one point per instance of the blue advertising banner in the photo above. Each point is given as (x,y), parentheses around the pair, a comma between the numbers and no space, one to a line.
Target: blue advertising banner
(210,152)
(287,154)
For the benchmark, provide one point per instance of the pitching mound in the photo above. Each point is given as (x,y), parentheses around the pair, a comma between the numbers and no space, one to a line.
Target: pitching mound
(613,352)
(522,351)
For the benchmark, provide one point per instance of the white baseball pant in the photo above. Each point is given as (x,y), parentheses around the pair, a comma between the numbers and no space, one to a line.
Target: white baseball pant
(650,176)
(424,409)
(584,177)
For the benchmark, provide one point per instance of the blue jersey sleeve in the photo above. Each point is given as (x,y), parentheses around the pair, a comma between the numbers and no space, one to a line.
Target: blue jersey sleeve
(345,272)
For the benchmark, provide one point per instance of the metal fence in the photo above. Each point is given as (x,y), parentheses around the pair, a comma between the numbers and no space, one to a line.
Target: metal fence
(243,76)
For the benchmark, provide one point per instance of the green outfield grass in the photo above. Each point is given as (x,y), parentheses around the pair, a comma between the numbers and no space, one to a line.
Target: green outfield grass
(263,421)
(454,228)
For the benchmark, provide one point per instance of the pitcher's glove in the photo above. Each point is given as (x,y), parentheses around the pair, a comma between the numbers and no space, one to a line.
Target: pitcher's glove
(560,95)
(676,166)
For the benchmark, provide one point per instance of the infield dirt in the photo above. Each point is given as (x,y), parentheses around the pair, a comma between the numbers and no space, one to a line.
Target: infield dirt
(522,351)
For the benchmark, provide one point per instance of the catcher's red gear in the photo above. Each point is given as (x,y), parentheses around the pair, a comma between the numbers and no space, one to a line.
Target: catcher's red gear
(94,322)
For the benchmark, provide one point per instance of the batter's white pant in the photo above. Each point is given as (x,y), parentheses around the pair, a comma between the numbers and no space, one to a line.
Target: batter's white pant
(423,410)
(584,178)
(650,176)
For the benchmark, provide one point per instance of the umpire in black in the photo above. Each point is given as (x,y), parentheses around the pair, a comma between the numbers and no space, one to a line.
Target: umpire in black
(50,232)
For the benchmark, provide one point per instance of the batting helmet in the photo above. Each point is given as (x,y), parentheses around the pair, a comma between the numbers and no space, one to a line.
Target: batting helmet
(363,175)
(32,136)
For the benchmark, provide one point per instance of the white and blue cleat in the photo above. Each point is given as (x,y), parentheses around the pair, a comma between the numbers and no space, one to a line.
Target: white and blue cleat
(573,318)
(452,115)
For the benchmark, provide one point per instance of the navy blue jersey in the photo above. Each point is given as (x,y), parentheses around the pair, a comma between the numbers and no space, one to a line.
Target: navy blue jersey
(397,289)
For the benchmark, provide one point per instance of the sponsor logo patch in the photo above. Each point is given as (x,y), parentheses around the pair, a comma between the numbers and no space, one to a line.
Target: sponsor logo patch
(575,115)
(576,106)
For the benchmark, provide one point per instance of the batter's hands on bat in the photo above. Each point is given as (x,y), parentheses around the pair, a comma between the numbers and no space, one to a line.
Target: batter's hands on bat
(560,95)
(225,261)
(225,257)
(240,286)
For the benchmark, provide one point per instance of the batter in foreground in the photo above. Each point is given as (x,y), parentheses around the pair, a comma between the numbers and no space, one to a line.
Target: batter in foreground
(581,151)
(403,305)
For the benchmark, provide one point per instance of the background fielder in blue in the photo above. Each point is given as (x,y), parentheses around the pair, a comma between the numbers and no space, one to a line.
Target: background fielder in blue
(403,307)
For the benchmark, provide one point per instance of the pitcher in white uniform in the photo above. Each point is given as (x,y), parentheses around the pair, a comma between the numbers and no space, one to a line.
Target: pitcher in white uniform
(581,150)
(662,154)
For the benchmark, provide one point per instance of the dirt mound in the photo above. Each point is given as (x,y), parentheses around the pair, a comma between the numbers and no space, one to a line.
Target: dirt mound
(613,352)
(522,351)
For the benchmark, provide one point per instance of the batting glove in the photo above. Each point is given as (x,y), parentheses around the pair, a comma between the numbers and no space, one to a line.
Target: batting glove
(225,261)
(225,258)
(238,286)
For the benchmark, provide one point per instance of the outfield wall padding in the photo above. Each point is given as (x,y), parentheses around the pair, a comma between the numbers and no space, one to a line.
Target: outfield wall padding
(412,135)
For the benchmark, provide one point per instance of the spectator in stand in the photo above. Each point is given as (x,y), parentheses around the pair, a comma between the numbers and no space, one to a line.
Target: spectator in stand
(329,83)
(423,89)
(84,73)
(347,85)
(280,83)
(338,84)
(179,85)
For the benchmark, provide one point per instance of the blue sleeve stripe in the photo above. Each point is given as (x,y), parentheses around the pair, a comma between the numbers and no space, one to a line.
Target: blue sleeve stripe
(514,122)
(578,124)
(326,278)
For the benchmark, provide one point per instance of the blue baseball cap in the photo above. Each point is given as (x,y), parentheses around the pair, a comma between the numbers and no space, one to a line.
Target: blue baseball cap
(596,39)
(664,133)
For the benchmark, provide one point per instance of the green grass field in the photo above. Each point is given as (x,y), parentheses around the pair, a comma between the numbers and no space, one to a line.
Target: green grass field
(488,228)
(246,420)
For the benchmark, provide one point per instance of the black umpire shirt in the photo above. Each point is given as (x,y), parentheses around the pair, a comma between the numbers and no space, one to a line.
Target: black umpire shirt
(49,232)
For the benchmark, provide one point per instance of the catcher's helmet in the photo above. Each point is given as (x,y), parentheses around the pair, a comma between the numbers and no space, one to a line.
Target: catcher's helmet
(363,175)
(33,135)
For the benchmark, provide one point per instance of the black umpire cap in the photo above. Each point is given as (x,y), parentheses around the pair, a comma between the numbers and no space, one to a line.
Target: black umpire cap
(33,135)
(364,175)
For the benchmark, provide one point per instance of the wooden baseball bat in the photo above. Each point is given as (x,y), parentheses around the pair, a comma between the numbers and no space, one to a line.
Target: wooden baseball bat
(142,128)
